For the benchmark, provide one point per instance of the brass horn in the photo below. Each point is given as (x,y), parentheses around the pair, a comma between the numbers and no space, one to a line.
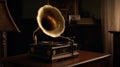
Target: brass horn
(50,21)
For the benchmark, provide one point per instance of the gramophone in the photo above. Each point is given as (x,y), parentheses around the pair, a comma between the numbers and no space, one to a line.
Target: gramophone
(52,23)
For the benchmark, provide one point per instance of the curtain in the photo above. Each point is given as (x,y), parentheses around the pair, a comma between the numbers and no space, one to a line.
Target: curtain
(115,25)
(110,15)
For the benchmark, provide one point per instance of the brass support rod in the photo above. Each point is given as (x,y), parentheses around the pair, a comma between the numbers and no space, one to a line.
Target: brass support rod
(35,35)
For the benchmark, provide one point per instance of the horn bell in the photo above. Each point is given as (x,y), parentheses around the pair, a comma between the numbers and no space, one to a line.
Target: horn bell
(50,21)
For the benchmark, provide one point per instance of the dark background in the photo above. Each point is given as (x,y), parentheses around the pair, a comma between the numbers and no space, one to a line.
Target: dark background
(89,37)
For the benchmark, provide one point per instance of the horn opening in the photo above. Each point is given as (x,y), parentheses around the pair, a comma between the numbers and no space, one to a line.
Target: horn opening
(51,21)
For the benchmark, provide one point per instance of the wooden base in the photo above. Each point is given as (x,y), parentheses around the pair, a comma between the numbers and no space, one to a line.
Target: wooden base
(52,53)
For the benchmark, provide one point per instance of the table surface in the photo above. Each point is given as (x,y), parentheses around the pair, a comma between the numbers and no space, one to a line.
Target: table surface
(84,57)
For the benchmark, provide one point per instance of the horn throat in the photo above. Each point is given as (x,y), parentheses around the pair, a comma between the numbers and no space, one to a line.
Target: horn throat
(49,23)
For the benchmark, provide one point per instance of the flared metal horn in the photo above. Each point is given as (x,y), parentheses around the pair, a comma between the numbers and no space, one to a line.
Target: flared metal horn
(50,21)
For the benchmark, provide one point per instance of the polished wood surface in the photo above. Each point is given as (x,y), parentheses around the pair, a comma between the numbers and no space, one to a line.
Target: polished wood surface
(85,57)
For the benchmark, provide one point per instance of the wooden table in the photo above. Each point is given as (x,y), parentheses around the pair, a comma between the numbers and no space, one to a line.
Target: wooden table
(85,59)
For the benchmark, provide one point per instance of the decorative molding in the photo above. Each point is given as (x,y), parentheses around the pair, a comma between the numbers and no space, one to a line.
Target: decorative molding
(114,31)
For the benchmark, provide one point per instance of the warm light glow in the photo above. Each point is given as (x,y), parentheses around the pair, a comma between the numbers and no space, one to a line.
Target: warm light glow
(54,19)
